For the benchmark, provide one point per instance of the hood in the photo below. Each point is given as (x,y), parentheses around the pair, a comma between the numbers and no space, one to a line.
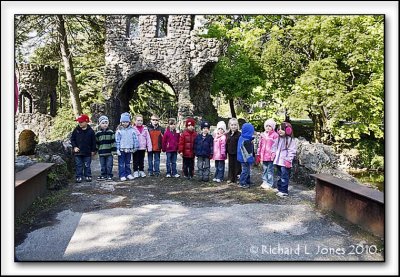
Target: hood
(247,131)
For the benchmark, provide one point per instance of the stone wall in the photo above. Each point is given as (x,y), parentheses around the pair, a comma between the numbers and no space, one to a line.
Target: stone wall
(175,59)
(40,124)
(37,82)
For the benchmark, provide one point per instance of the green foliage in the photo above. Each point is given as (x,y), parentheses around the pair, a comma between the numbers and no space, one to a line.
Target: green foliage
(64,123)
(154,97)
(378,162)
(57,176)
(371,153)
(37,41)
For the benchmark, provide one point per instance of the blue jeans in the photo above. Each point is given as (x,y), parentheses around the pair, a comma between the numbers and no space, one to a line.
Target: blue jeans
(171,163)
(106,164)
(245,175)
(283,178)
(156,167)
(83,166)
(268,173)
(124,164)
(203,168)
(219,170)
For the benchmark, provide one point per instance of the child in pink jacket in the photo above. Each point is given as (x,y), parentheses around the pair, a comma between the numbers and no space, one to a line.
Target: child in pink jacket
(266,152)
(285,153)
(219,152)
(170,143)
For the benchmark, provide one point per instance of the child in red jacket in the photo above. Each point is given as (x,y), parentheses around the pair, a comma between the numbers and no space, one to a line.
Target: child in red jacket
(186,148)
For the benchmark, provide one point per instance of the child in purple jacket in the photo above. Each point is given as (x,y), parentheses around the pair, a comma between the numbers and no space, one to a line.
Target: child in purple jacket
(285,153)
(170,142)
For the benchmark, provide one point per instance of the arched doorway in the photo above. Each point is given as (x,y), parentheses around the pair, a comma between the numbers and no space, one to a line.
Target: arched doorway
(148,92)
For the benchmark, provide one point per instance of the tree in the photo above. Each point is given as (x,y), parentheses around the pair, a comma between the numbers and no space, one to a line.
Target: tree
(46,39)
(69,67)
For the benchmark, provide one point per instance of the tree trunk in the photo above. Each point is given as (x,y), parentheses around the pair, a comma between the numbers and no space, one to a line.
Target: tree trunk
(232,106)
(316,133)
(69,68)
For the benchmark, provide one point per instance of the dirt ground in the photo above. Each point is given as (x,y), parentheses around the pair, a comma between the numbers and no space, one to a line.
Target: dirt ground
(98,195)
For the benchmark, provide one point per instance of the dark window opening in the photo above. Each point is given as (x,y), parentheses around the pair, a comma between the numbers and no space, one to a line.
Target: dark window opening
(192,22)
(162,26)
(133,27)
(25,103)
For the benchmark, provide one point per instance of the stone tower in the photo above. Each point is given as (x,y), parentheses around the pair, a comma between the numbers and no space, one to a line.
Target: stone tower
(154,47)
(37,99)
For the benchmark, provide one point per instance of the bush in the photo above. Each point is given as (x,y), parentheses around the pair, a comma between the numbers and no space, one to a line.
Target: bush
(64,123)
(377,162)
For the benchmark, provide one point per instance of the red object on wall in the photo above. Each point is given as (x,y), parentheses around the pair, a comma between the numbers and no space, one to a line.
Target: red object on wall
(15,94)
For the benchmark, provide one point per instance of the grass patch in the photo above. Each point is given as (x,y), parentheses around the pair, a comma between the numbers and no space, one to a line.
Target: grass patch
(41,204)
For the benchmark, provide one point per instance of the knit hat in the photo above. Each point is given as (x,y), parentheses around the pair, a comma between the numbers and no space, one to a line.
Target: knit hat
(190,122)
(221,125)
(205,124)
(82,118)
(102,119)
(125,117)
(270,122)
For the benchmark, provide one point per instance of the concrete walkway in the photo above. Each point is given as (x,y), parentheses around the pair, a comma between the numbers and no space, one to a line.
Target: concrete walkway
(166,230)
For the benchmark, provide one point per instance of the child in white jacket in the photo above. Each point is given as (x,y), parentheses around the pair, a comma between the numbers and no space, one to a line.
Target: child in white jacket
(285,153)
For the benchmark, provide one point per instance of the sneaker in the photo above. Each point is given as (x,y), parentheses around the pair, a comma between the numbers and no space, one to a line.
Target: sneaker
(136,174)
(142,174)
(275,189)
(244,186)
(123,179)
(101,178)
(109,178)
(168,176)
(130,177)
(229,181)
(157,174)
(215,179)
(88,179)
(79,179)
(150,174)
(177,175)
(265,186)
(218,180)
(282,194)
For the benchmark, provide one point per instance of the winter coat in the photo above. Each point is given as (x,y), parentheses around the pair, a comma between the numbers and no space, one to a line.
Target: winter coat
(286,150)
(105,142)
(85,140)
(170,141)
(232,142)
(219,147)
(156,135)
(144,139)
(186,143)
(203,146)
(126,139)
(245,148)
(267,146)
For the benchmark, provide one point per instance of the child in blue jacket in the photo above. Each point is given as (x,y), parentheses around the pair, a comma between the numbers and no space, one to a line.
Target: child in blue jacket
(245,154)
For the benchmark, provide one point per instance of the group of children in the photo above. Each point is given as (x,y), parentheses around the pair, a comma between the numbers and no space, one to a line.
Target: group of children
(276,149)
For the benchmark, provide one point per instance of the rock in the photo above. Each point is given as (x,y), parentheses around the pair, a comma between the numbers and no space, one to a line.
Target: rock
(22,162)
(26,142)
(314,158)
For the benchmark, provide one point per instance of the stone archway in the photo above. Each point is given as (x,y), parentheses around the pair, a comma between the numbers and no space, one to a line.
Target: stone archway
(178,57)
(129,90)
